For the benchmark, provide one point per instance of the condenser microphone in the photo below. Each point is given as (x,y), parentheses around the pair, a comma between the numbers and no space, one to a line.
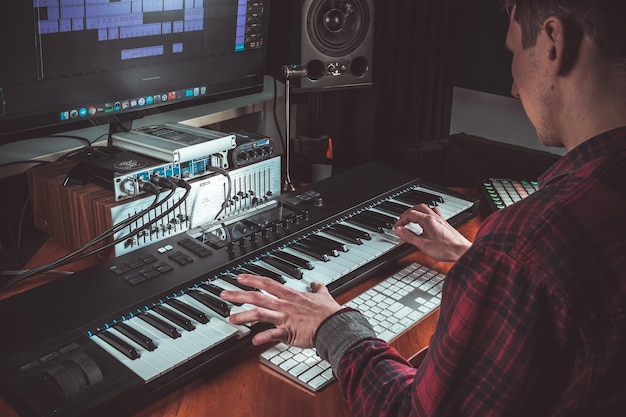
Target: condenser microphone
(293,72)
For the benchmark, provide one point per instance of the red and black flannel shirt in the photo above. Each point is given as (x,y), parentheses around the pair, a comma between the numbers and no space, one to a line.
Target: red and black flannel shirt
(533,316)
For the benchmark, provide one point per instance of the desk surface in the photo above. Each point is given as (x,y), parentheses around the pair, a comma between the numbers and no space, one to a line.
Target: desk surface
(248,388)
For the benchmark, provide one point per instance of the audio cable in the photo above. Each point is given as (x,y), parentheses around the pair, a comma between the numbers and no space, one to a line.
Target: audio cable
(149,187)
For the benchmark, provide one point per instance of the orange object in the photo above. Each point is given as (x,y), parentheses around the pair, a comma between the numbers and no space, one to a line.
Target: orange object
(329,151)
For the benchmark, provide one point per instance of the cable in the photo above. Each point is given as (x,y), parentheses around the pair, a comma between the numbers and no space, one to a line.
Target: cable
(280,134)
(148,187)
(33,161)
(136,231)
(74,256)
(228,193)
(20,254)
(87,141)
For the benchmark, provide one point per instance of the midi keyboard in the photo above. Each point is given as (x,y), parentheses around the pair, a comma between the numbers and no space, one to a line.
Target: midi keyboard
(112,338)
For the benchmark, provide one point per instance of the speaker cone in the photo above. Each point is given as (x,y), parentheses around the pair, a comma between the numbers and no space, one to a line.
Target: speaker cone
(337,27)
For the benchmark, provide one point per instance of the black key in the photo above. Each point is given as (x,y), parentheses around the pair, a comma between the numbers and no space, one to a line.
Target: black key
(160,324)
(330,242)
(216,290)
(354,232)
(287,267)
(191,311)
(344,235)
(314,253)
(232,279)
(296,260)
(366,224)
(392,207)
(120,345)
(383,220)
(173,316)
(135,335)
(219,306)
(321,246)
(414,197)
(259,270)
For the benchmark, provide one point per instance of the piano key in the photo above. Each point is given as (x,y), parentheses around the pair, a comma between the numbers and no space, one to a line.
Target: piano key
(220,324)
(142,369)
(312,252)
(296,260)
(217,326)
(342,234)
(212,288)
(217,305)
(333,243)
(360,249)
(201,335)
(352,231)
(153,358)
(180,344)
(381,242)
(232,279)
(393,207)
(414,197)
(139,338)
(384,220)
(288,268)
(174,317)
(119,344)
(318,265)
(354,259)
(322,271)
(367,224)
(188,310)
(216,290)
(296,284)
(160,324)
(320,246)
(256,269)
(228,286)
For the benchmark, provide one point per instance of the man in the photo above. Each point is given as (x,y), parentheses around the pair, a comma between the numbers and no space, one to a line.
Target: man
(533,313)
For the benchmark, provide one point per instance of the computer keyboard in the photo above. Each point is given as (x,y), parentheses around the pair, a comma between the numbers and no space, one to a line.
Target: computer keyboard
(501,192)
(391,306)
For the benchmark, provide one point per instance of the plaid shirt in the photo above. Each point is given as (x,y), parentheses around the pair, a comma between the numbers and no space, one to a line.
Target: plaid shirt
(533,316)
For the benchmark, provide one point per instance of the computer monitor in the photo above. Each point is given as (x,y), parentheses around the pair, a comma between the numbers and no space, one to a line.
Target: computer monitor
(69,64)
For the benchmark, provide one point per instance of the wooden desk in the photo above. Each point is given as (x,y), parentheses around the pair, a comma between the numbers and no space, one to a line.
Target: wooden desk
(247,388)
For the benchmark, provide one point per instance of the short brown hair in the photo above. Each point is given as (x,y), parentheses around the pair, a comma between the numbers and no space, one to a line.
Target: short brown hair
(604,21)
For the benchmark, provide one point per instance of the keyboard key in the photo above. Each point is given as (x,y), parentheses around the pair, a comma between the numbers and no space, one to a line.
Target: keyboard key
(392,306)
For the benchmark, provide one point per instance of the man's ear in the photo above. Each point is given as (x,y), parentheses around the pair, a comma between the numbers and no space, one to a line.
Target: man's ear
(564,41)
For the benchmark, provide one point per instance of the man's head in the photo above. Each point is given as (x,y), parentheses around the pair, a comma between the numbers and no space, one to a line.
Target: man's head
(604,21)
(569,66)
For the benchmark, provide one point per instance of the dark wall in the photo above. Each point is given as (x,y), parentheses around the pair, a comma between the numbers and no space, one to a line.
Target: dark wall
(483,63)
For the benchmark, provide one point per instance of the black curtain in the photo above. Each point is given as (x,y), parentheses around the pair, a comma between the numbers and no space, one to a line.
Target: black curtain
(408,108)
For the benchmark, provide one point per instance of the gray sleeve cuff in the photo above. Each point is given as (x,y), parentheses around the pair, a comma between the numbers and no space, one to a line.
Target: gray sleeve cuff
(339,333)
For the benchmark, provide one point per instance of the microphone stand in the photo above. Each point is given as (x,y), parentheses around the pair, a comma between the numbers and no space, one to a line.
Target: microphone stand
(289,72)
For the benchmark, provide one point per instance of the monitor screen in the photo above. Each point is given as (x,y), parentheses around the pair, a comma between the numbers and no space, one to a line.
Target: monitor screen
(69,64)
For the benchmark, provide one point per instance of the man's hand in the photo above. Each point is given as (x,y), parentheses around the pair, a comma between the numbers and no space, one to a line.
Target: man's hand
(295,315)
(439,239)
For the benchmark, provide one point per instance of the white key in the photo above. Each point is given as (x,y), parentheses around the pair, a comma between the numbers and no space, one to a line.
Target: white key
(178,349)
(159,362)
(138,366)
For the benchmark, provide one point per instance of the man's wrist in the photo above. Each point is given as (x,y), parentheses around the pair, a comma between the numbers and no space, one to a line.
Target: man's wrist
(339,332)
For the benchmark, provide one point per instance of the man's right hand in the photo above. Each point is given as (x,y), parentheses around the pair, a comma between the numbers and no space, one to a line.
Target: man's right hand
(438,239)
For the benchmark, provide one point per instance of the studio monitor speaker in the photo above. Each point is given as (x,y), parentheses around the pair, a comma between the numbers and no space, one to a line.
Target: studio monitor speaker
(333,39)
